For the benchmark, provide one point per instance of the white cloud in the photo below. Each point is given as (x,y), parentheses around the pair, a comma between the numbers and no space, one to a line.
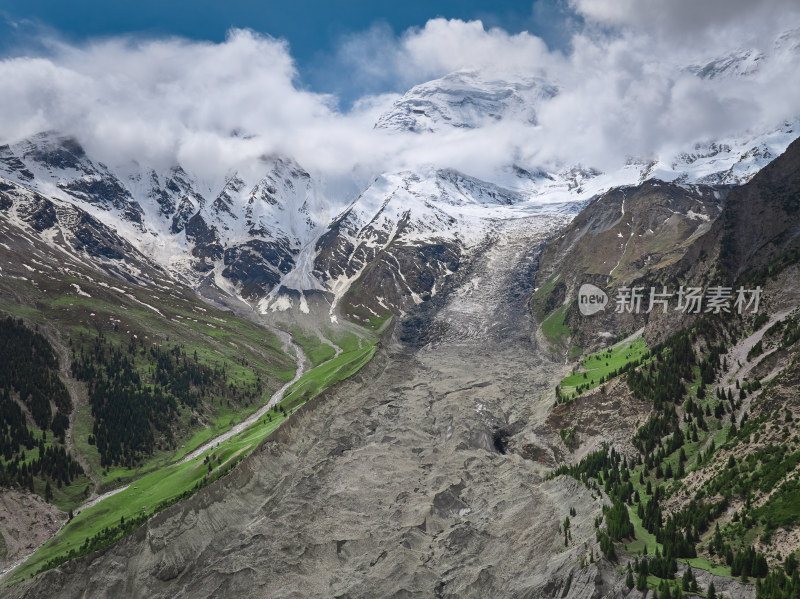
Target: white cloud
(440,47)
(623,91)
(444,46)
(159,99)
(683,18)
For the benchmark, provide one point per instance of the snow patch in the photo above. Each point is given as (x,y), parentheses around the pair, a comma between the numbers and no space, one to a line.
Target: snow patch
(695,216)
(80,291)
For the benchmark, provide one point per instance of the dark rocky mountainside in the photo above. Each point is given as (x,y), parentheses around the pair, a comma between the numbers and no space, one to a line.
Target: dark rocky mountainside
(630,230)
(619,240)
(659,234)
(761,221)
(74,232)
(715,405)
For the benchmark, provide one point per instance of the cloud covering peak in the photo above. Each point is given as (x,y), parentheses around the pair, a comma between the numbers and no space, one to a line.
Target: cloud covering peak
(625,88)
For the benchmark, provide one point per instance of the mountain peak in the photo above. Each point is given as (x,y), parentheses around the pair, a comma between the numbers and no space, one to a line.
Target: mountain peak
(466,99)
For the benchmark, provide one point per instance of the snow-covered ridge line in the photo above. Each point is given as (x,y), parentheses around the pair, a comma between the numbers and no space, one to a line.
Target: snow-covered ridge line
(272,224)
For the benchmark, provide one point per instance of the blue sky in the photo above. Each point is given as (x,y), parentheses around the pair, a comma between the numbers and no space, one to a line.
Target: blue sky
(314,29)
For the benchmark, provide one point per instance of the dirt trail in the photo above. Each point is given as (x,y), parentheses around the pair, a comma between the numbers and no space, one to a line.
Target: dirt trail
(273,401)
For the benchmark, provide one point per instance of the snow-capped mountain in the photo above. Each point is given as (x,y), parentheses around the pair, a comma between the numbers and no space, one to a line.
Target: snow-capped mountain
(58,167)
(740,63)
(466,99)
(745,62)
(241,232)
(729,161)
(256,233)
(272,226)
(408,231)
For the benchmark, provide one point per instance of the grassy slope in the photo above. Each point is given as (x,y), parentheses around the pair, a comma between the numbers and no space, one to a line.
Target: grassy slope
(143,496)
(355,311)
(217,337)
(554,327)
(173,480)
(539,296)
(326,375)
(314,348)
(602,363)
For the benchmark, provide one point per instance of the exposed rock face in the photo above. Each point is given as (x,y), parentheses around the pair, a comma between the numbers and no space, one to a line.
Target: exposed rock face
(256,266)
(624,237)
(26,521)
(72,230)
(609,417)
(90,182)
(762,219)
(205,238)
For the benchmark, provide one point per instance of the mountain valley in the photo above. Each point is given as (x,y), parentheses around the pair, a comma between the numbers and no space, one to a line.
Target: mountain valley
(283,383)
